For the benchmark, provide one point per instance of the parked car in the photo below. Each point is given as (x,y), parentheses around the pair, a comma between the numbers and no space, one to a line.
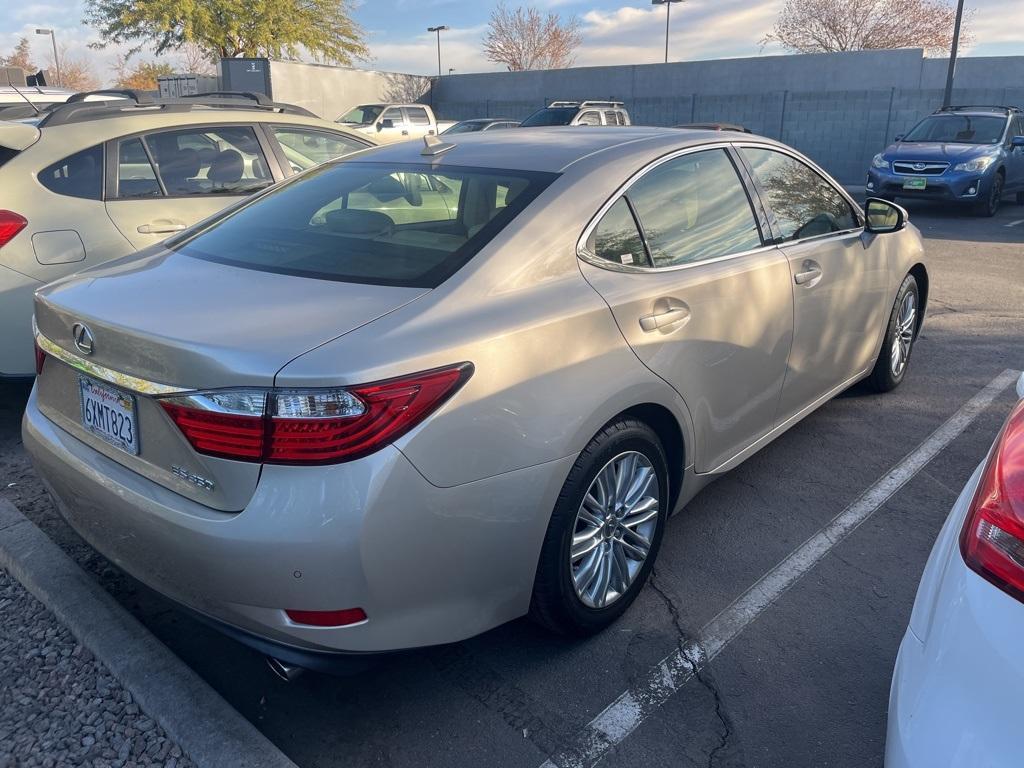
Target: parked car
(716,127)
(93,180)
(29,101)
(329,431)
(481,124)
(388,123)
(579,113)
(960,670)
(969,155)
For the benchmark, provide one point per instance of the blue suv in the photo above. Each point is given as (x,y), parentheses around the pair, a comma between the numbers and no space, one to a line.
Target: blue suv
(972,155)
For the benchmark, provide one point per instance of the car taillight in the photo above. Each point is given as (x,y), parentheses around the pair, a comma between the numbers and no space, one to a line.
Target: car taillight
(11,224)
(992,539)
(40,359)
(316,426)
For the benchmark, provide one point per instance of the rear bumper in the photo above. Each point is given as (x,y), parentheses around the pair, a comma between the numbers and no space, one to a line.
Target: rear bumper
(428,565)
(950,186)
(17,359)
(955,697)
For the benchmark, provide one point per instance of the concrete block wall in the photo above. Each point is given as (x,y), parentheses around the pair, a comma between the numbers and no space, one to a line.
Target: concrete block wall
(839,109)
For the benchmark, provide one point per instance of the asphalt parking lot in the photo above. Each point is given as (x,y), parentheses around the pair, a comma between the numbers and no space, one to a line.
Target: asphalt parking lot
(805,683)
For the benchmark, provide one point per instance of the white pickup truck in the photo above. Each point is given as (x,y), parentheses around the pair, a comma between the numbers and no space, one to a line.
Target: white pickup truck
(388,123)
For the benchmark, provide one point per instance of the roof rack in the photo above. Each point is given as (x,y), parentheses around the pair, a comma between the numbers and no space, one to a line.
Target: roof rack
(77,110)
(989,107)
(607,104)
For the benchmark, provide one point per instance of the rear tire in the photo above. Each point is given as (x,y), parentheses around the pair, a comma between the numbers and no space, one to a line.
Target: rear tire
(563,600)
(900,335)
(1020,198)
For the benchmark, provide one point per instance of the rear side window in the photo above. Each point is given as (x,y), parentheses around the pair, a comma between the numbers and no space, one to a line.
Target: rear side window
(378,223)
(135,174)
(617,239)
(804,204)
(694,208)
(304,148)
(417,115)
(77,175)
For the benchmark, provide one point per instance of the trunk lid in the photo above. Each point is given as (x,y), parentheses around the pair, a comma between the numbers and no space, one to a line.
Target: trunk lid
(186,323)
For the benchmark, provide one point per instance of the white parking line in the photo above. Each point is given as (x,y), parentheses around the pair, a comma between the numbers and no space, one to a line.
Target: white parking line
(631,708)
(1014,223)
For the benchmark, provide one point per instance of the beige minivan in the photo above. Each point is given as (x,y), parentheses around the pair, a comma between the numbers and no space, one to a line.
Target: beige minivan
(89,181)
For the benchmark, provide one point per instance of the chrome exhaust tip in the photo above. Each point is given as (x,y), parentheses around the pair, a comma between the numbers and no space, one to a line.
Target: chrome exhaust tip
(283,671)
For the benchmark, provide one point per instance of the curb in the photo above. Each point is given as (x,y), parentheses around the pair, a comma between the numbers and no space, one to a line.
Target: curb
(204,725)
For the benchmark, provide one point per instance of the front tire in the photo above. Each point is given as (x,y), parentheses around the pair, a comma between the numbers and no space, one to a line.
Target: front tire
(900,335)
(605,531)
(990,207)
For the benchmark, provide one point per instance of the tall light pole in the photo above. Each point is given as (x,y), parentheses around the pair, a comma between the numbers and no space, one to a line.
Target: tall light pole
(439,30)
(668,15)
(56,58)
(948,95)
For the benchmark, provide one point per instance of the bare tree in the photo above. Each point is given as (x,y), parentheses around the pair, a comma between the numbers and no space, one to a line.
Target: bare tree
(196,60)
(21,56)
(525,38)
(76,73)
(818,26)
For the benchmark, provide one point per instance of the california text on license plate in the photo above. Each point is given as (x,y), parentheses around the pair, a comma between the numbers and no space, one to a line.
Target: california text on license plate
(109,414)
(915,183)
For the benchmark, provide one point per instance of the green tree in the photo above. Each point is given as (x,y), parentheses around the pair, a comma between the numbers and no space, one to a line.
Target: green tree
(20,57)
(142,76)
(230,28)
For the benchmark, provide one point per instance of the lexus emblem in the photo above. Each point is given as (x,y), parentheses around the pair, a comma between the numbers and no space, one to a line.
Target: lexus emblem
(919,166)
(82,337)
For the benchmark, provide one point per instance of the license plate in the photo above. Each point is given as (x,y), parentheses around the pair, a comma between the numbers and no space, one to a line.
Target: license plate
(916,183)
(109,414)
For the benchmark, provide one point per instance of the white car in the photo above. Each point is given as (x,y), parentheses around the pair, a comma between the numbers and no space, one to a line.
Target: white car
(959,680)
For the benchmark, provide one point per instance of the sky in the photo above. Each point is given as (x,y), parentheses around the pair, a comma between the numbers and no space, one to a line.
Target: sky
(614,31)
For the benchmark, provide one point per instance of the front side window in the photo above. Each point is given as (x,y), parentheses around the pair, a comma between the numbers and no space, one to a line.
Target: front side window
(804,204)
(550,116)
(364,222)
(590,118)
(365,114)
(78,175)
(959,129)
(214,160)
(694,208)
(305,148)
(394,114)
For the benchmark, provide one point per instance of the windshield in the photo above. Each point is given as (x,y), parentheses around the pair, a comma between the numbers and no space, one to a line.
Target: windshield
(379,223)
(364,114)
(959,129)
(470,126)
(550,116)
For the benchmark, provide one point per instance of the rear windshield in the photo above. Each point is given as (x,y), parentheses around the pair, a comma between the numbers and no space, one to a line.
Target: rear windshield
(550,116)
(959,129)
(379,223)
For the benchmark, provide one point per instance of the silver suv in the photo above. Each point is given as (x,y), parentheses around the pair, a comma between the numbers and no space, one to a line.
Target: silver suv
(579,113)
(88,181)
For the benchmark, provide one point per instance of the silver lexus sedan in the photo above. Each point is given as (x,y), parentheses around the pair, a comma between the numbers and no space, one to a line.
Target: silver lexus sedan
(404,398)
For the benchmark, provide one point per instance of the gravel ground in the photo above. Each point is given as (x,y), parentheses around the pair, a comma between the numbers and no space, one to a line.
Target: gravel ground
(59,705)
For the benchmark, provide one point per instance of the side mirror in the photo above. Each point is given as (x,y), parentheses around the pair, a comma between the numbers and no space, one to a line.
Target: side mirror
(1017,141)
(883,217)
(899,137)
(387,122)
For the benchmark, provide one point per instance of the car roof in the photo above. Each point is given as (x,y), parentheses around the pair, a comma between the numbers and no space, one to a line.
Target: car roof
(541,149)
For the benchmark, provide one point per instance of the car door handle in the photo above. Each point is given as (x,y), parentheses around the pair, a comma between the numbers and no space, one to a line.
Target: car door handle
(405,133)
(668,314)
(160,227)
(810,272)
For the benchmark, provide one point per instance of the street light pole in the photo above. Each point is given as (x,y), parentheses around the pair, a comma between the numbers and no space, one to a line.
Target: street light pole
(439,30)
(668,16)
(948,95)
(56,58)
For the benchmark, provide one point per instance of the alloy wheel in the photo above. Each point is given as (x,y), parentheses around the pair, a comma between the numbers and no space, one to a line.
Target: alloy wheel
(614,528)
(904,335)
